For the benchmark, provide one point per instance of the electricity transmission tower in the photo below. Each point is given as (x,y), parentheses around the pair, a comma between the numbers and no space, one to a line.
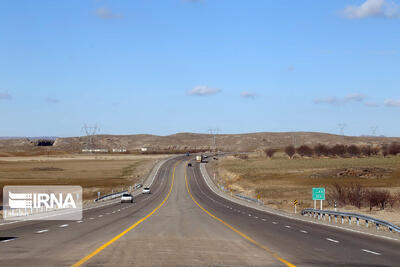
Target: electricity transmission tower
(213,132)
(341,128)
(373,130)
(90,132)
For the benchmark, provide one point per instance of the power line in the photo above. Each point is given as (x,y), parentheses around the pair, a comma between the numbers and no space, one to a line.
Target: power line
(90,132)
(373,130)
(213,132)
(341,128)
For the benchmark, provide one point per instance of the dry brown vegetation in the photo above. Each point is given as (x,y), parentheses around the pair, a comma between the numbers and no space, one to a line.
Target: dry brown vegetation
(93,173)
(365,182)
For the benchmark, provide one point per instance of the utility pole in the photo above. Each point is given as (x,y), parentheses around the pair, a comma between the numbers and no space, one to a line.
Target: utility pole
(90,132)
(341,128)
(373,130)
(213,132)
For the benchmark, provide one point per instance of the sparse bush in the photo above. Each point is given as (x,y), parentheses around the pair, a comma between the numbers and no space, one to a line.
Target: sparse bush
(355,194)
(353,150)
(385,150)
(339,193)
(394,149)
(321,150)
(269,152)
(366,150)
(305,151)
(338,150)
(378,198)
(290,151)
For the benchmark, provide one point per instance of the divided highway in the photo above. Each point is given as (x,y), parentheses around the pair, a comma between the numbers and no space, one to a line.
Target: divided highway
(183,222)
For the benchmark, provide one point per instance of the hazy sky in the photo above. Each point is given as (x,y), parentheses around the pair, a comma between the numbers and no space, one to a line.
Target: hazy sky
(169,66)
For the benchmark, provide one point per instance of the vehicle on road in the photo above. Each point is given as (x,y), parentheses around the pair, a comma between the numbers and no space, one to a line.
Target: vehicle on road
(127,197)
(199,158)
(146,190)
(187,154)
(189,164)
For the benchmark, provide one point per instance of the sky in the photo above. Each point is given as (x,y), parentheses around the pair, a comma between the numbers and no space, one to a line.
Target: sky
(162,67)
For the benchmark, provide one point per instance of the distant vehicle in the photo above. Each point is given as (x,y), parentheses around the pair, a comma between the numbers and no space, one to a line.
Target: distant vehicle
(215,158)
(189,164)
(205,156)
(187,154)
(199,158)
(126,197)
(146,190)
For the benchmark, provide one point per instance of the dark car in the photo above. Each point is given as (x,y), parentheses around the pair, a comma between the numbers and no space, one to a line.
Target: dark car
(189,164)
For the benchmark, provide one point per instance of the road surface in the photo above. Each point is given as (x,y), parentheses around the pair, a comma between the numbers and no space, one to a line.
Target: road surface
(184,223)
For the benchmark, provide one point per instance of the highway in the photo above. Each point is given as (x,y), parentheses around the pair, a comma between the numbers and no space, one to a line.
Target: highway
(183,222)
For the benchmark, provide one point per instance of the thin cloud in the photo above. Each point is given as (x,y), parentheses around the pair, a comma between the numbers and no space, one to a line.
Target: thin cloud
(372,104)
(106,13)
(202,90)
(52,100)
(371,8)
(291,68)
(246,94)
(339,101)
(5,96)
(392,103)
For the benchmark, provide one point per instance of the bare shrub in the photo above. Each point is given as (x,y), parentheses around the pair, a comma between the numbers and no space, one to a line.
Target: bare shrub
(366,150)
(385,150)
(338,150)
(378,198)
(353,150)
(355,194)
(269,152)
(339,193)
(305,151)
(321,150)
(394,149)
(290,151)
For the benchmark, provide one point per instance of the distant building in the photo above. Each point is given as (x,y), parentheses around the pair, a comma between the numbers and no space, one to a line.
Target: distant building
(119,150)
(97,150)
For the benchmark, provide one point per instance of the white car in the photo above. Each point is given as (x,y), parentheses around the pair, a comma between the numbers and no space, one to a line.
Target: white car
(146,190)
(126,197)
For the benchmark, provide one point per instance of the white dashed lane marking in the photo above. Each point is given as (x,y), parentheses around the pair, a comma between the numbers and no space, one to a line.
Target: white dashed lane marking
(100,216)
(42,231)
(79,221)
(332,240)
(274,222)
(63,225)
(7,240)
(288,226)
(264,220)
(371,252)
(304,232)
(92,218)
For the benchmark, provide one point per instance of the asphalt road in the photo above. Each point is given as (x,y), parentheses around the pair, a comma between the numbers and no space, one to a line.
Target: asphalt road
(184,223)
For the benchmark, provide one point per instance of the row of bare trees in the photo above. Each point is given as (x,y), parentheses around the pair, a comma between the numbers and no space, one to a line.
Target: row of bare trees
(338,150)
(357,195)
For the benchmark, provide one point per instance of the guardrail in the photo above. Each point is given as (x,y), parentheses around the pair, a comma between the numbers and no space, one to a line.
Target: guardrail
(322,214)
(248,198)
(111,196)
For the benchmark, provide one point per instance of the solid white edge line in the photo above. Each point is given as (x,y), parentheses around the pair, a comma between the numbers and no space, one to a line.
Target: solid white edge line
(304,232)
(289,217)
(41,231)
(63,225)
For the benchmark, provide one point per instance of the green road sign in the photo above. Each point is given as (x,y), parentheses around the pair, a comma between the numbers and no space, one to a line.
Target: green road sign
(318,193)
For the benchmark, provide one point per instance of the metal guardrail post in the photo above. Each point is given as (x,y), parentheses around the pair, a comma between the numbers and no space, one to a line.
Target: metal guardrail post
(358,222)
(342,219)
(350,220)
(366,223)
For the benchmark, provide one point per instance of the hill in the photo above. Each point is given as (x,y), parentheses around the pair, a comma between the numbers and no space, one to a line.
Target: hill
(191,141)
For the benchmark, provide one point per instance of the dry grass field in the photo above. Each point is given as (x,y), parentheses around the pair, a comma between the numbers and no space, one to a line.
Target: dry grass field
(280,180)
(93,172)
